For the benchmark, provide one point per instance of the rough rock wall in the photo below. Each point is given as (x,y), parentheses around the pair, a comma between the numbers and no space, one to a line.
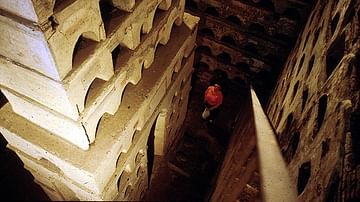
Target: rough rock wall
(315,104)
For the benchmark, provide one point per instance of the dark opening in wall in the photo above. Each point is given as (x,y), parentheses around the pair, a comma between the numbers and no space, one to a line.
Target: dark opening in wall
(293,14)
(108,12)
(325,147)
(3,99)
(229,40)
(83,48)
(151,151)
(191,4)
(53,22)
(310,65)
(288,125)
(300,64)
(242,66)
(94,91)
(123,180)
(207,32)
(350,13)
(293,145)
(201,67)
(61,4)
(204,49)
(303,176)
(212,11)
(304,98)
(98,126)
(334,22)
(334,54)
(224,58)
(115,54)
(234,20)
(296,86)
(251,48)
(355,135)
(316,36)
(321,113)
(257,28)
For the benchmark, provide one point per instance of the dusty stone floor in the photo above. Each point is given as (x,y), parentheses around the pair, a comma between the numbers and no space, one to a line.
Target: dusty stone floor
(189,175)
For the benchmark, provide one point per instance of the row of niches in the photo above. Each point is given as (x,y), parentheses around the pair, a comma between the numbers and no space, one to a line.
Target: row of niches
(119,55)
(177,100)
(339,43)
(112,19)
(261,24)
(336,55)
(323,116)
(293,143)
(130,180)
(232,49)
(239,67)
(240,72)
(261,81)
(291,12)
(292,138)
(218,54)
(76,54)
(116,53)
(141,159)
(312,115)
(319,132)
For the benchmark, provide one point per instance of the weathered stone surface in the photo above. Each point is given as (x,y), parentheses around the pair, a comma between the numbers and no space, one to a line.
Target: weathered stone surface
(51,53)
(95,173)
(83,128)
(314,98)
(37,11)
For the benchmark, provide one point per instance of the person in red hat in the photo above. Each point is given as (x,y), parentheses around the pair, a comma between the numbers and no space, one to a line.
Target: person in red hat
(213,98)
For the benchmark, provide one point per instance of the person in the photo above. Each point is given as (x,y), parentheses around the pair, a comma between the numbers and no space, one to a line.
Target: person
(213,98)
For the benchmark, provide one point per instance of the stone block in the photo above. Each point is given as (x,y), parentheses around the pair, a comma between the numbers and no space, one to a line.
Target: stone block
(37,11)
(130,172)
(109,93)
(71,99)
(51,53)
(93,168)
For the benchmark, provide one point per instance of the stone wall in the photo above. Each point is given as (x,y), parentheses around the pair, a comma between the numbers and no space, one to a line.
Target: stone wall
(315,105)
(247,40)
(96,90)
